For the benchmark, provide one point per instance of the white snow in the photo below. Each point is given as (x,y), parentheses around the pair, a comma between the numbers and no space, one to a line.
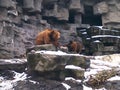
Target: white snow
(97,41)
(34,82)
(100,63)
(8,84)
(51,52)
(55,53)
(116,78)
(71,78)
(84,33)
(88,38)
(97,36)
(73,67)
(97,63)
(14,60)
(66,86)
(99,27)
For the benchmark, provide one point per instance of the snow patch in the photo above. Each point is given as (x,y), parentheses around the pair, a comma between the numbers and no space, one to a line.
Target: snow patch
(9,84)
(73,67)
(66,86)
(55,53)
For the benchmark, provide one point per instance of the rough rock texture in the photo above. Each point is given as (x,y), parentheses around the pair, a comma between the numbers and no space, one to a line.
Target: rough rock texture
(56,64)
(99,40)
(48,47)
(41,84)
(21,20)
(101,8)
(13,64)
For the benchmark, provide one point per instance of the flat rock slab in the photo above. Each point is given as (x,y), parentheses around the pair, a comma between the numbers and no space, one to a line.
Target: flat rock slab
(53,63)
(54,60)
(41,47)
(14,64)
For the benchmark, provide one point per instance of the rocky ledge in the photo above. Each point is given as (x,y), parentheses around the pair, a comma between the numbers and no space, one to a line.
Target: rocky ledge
(57,64)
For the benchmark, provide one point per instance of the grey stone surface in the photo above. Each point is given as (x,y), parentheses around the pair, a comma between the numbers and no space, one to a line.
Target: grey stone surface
(21,20)
(56,64)
(13,64)
(101,8)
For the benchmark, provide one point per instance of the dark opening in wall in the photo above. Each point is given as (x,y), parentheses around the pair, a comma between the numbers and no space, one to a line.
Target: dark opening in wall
(89,18)
(71,16)
(49,6)
(53,20)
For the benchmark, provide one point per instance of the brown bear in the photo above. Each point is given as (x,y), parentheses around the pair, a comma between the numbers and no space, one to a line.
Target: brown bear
(75,46)
(48,36)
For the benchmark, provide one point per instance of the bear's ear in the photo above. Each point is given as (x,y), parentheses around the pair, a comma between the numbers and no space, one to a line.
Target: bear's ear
(52,32)
(51,35)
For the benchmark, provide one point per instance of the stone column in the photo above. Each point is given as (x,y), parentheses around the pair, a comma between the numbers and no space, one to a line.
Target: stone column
(100,8)
(78,18)
(37,5)
(28,4)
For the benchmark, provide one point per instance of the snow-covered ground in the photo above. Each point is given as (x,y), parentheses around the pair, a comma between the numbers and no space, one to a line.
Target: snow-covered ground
(9,84)
(98,63)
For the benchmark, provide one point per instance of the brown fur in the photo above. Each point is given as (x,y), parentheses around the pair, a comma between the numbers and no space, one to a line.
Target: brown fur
(75,46)
(48,36)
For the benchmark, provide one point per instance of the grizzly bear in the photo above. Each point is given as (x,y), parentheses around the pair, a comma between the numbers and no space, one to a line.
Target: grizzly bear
(48,36)
(75,46)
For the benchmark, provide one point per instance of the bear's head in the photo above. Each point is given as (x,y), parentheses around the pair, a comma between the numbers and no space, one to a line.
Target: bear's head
(70,46)
(54,35)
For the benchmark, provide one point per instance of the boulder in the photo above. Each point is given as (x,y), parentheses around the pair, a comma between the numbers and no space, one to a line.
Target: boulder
(28,4)
(101,8)
(47,62)
(54,63)
(76,5)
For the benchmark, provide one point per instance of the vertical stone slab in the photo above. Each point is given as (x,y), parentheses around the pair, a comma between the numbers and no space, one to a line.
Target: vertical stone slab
(37,5)
(78,18)
(62,13)
(100,8)
(75,4)
(28,4)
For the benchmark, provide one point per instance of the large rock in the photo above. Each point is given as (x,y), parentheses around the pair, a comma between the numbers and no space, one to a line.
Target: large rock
(42,62)
(28,4)
(53,63)
(76,5)
(101,8)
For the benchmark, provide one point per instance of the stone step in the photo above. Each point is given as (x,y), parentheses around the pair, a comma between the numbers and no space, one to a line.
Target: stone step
(13,64)
(101,31)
